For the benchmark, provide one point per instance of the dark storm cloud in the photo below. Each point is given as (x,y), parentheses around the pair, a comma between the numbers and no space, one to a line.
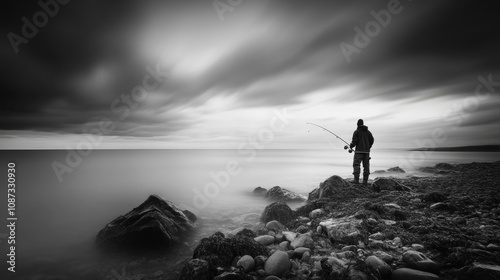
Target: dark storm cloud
(272,57)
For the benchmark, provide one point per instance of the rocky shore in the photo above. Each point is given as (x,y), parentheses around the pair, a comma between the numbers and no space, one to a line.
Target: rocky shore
(443,225)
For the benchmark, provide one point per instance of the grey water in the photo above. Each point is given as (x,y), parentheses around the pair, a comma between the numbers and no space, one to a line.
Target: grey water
(56,216)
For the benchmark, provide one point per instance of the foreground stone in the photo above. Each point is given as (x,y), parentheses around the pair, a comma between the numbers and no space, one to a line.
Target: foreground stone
(343,230)
(331,186)
(278,264)
(418,260)
(412,274)
(155,225)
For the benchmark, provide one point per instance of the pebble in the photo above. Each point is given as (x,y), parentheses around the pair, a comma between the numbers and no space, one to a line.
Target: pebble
(383,256)
(319,229)
(247,262)
(349,248)
(283,245)
(377,236)
(278,264)
(303,240)
(306,257)
(264,239)
(275,225)
(289,235)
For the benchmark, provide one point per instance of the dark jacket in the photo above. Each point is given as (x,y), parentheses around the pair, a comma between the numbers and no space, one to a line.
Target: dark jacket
(362,139)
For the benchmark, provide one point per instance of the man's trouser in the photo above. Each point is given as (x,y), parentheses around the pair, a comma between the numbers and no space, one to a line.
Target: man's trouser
(358,158)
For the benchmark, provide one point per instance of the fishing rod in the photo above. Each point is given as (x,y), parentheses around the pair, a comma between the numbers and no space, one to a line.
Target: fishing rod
(326,129)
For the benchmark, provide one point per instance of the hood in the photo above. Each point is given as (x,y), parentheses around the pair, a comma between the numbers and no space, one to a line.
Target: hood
(363,127)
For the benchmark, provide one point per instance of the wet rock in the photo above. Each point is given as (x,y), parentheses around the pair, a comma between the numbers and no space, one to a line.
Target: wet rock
(417,247)
(383,256)
(316,213)
(219,251)
(412,274)
(246,262)
(442,206)
(331,186)
(302,229)
(493,247)
(396,169)
(283,245)
(274,225)
(388,184)
(290,235)
(484,271)
(282,194)
(264,239)
(418,260)
(196,269)
(278,211)
(435,197)
(259,191)
(377,236)
(298,252)
(278,264)
(378,265)
(303,240)
(233,276)
(155,225)
(343,230)
(313,195)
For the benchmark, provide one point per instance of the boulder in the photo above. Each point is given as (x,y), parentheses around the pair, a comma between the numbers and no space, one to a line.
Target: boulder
(278,264)
(342,230)
(331,186)
(378,265)
(412,274)
(259,191)
(418,260)
(278,211)
(282,194)
(220,251)
(388,184)
(195,269)
(155,225)
(316,213)
(246,262)
(303,240)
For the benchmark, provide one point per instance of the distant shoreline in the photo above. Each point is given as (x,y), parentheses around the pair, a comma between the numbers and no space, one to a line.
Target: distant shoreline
(480,148)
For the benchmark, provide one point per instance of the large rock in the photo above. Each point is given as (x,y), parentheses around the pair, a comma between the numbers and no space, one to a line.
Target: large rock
(278,264)
(278,211)
(282,194)
(412,274)
(220,251)
(195,269)
(388,184)
(396,169)
(331,186)
(379,266)
(314,194)
(418,260)
(155,225)
(342,230)
(259,191)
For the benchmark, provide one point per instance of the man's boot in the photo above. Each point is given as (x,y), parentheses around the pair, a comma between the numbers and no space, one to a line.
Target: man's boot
(356,178)
(365,179)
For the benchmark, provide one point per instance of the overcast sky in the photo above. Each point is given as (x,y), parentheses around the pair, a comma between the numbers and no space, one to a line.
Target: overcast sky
(225,70)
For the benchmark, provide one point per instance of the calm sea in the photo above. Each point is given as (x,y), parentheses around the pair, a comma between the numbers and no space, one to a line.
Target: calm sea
(56,214)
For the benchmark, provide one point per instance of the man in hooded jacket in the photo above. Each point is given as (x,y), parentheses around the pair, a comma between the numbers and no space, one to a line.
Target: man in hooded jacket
(362,139)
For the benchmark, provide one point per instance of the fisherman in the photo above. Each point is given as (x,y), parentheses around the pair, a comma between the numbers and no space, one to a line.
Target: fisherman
(362,139)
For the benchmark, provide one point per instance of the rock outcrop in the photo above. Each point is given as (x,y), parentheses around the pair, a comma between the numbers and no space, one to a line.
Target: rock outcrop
(155,225)
(281,194)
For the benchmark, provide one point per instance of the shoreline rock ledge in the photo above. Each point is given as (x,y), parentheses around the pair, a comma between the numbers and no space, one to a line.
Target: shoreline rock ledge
(155,225)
